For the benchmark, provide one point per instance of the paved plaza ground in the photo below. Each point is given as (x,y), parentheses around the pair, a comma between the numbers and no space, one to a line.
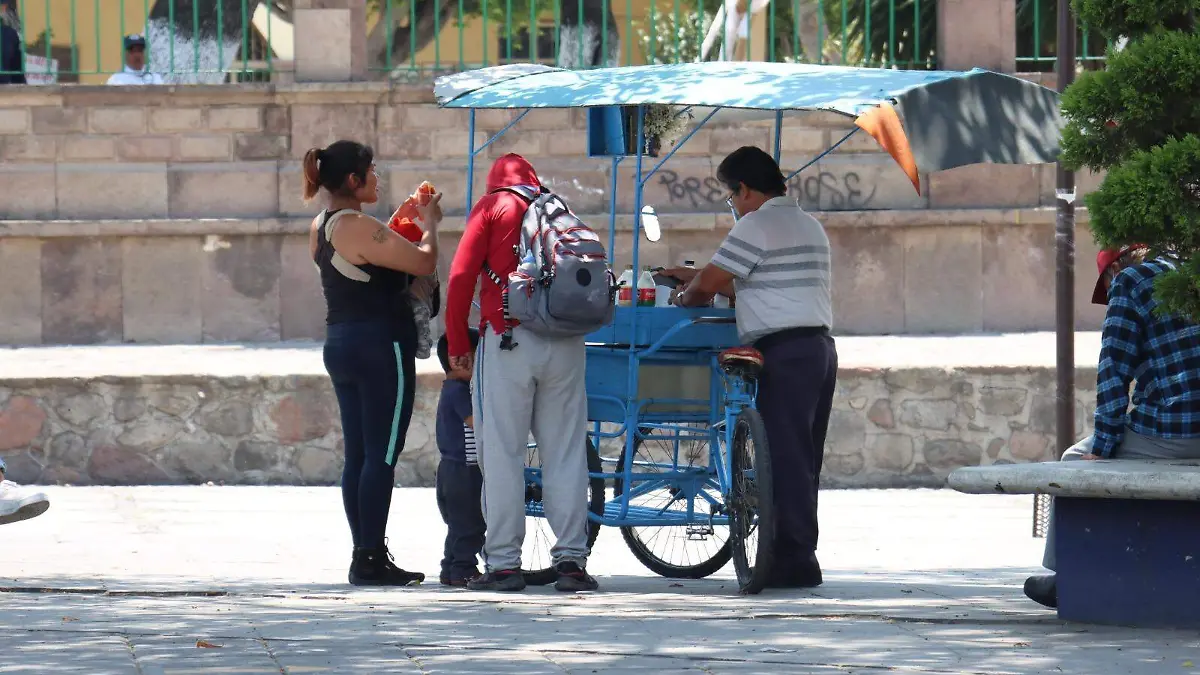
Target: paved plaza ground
(129,580)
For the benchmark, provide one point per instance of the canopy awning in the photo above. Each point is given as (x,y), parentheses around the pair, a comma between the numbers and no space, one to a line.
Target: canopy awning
(927,120)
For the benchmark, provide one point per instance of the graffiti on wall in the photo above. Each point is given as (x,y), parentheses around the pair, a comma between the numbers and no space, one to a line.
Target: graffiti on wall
(825,190)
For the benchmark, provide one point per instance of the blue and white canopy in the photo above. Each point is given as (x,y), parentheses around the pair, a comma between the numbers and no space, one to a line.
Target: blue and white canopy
(933,120)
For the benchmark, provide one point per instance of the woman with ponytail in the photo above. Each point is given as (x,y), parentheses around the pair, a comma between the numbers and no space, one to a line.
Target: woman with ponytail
(371,340)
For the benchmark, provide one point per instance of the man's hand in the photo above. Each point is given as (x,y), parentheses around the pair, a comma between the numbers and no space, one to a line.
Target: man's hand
(461,367)
(1090,457)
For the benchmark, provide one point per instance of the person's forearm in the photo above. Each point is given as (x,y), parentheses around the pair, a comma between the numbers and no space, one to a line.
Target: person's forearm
(429,238)
(694,295)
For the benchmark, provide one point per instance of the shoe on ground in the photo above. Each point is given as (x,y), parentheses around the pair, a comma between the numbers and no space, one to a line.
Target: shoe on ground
(18,503)
(573,578)
(1043,589)
(459,578)
(788,573)
(499,580)
(375,567)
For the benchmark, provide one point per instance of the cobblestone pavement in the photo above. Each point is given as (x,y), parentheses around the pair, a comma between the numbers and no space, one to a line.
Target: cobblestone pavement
(131,580)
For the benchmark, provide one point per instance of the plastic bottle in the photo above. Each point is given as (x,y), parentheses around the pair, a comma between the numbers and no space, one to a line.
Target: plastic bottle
(625,288)
(404,220)
(646,292)
(691,265)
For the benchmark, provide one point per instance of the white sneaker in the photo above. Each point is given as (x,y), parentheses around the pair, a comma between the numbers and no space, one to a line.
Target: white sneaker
(17,503)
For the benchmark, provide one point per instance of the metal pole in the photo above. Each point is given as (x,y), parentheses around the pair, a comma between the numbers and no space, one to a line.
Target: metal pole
(1065,245)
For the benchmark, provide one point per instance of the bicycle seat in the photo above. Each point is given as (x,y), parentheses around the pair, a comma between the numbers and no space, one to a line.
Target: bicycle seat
(745,361)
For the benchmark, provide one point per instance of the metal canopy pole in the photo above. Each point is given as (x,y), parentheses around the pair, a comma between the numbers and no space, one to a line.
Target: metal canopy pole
(1065,244)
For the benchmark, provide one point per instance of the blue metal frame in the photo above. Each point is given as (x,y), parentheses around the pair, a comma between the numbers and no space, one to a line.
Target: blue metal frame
(729,394)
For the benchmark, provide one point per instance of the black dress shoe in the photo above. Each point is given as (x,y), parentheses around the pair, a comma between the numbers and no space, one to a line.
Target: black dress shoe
(790,573)
(1043,589)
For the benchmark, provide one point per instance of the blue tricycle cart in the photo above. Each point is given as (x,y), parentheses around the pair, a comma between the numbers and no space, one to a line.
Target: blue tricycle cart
(691,480)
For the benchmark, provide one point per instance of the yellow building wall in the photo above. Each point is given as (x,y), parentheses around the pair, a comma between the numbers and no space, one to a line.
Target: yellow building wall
(94,27)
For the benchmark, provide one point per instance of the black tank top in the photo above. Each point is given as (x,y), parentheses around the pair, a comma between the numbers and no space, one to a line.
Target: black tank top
(361,292)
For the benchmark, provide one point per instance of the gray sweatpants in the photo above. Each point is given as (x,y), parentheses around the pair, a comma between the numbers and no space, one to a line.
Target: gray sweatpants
(536,387)
(1133,446)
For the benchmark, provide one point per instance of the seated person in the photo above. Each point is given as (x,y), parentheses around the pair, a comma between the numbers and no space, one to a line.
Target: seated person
(1162,354)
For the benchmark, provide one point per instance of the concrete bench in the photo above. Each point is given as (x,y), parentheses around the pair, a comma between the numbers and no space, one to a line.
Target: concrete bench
(1127,535)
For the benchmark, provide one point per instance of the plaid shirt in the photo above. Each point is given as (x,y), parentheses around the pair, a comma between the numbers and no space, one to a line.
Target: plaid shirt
(1161,354)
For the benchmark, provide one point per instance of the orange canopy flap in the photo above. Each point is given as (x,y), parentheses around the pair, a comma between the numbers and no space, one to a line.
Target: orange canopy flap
(884,126)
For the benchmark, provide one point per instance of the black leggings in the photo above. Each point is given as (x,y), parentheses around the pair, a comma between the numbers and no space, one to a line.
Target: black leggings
(374,377)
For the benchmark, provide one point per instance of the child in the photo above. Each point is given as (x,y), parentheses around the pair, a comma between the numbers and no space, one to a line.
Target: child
(459,480)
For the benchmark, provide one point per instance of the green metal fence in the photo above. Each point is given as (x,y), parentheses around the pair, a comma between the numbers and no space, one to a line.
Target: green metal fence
(189,41)
(420,35)
(1037,33)
(210,41)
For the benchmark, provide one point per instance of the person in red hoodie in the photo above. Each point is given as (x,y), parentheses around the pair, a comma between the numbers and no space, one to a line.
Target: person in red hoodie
(531,384)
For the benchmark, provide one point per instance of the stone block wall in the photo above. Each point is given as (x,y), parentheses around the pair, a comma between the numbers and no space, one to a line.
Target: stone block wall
(233,151)
(889,428)
(195,281)
(172,214)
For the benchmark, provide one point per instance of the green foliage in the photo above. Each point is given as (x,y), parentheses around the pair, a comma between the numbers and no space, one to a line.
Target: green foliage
(674,36)
(1147,96)
(1134,18)
(1144,199)
(1140,121)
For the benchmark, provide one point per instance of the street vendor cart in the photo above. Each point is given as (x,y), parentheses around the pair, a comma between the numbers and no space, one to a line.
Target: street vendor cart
(675,433)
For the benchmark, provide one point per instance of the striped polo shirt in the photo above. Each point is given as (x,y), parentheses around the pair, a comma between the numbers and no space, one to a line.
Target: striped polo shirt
(779,257)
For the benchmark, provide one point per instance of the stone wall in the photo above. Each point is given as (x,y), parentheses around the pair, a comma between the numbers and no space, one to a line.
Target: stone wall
(234,151)
(172,214)
(193,281)
(889,428)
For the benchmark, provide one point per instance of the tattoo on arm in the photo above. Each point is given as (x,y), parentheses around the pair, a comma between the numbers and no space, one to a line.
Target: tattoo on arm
(380,235)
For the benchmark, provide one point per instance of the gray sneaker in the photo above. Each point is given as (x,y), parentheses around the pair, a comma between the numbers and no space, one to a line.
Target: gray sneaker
(499,580)
(18,503)
(572,578)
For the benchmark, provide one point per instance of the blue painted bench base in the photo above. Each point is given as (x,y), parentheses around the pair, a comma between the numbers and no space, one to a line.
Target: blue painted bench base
(1128,562)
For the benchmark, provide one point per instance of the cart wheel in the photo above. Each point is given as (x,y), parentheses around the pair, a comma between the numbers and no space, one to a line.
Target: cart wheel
(751,503)
(675,552)
(539,538)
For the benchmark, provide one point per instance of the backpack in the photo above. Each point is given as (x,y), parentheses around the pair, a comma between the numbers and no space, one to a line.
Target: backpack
(562,286)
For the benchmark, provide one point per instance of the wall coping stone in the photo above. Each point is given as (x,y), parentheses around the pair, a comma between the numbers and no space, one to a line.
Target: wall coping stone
(178,227)
(1172,480)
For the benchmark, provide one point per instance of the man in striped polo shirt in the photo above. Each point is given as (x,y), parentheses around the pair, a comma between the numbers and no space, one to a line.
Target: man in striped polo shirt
(776,261)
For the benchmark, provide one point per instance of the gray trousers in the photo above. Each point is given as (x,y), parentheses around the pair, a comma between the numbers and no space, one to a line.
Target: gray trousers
(536,387)
(1133,446)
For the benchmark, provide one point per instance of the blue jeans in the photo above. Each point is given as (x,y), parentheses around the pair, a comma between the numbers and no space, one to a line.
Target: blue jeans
(373,370)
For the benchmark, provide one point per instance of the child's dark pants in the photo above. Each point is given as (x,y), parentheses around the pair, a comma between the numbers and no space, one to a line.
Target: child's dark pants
(459,493)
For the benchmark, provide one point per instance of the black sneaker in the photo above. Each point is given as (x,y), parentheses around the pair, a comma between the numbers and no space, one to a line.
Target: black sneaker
(1043,590)
(458,578)
(374,567)
(573,578)
(499,580)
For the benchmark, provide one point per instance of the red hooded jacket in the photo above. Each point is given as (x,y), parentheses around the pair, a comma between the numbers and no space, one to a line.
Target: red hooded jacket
(492,233)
